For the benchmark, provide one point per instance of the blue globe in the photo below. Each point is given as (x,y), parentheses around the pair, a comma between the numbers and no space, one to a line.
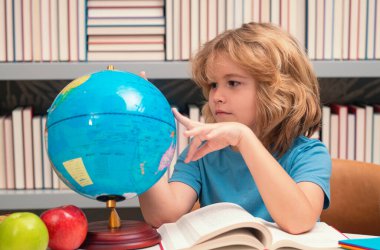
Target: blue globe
(110,135)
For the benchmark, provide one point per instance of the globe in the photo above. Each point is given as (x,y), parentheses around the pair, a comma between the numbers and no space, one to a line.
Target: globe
(110,135)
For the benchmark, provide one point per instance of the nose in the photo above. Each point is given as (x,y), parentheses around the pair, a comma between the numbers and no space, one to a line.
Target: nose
(218,95)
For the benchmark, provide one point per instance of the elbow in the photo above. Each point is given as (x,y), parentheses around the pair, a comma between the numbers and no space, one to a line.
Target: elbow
(298,226)
(156,223)
(156,220)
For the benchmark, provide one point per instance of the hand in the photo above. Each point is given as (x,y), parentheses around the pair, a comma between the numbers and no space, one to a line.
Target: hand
(214,136)
(143,75)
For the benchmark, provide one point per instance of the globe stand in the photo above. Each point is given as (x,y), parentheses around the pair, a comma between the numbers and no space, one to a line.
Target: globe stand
(116,234)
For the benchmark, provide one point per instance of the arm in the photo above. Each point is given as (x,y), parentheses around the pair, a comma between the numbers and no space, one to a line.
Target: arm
(166,202)
(294,207)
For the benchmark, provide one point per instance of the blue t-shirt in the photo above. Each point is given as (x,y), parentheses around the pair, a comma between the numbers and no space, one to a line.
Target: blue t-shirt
(223,175)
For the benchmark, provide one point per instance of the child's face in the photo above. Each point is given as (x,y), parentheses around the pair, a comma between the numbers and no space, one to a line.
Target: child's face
(232,95)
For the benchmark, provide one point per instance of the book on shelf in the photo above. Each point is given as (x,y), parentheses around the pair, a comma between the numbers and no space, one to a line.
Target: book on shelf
(337,23)
(126,56)
(10,30)
(46,166)
(37,152)
(169,30)
(135,21)
(63,27)
(126,30)
(36,31)
(326,114)
(155,11)
(3,33)
(125,39)
(73,30)
(377,54)
(82,30)
(351,136)
(194,23)
(129,3)
(185,29)
(18,148)
(368,133)
(27,30)
(45,30)
(54,37)
(334,136)
(228,226)
(28,147)
(3,177)
(376,134)
(176,31)
(359,113)
(127,47)
(342,112)
(194,112)
(9,160)
(18,39)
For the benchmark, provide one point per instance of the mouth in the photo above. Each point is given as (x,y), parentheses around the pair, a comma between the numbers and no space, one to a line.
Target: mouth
(220,113)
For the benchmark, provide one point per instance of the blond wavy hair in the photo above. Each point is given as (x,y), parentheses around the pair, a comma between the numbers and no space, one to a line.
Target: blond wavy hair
(288,102)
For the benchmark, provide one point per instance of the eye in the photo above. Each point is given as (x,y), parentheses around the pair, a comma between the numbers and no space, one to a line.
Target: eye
(233,83)
(213,85)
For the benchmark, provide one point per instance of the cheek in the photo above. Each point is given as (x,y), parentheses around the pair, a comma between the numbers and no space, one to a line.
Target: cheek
(210,102)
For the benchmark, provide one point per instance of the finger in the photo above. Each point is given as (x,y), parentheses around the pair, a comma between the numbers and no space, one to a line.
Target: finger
(183,119)
(143,75)
(202,131)
(194,145)
(202,151)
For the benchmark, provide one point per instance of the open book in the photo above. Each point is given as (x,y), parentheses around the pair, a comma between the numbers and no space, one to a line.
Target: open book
(229,226)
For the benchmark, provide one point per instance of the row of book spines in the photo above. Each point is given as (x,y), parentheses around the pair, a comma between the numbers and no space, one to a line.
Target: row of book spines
(191,23)
(331,134)
(24,163)
(352,132)
(281,14)
(45,30)
(325,28)
(343,29)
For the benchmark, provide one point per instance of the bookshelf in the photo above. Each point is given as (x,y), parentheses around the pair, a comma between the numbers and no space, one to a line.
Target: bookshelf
(35,71)
(72,70)
(165,69)
(44,199)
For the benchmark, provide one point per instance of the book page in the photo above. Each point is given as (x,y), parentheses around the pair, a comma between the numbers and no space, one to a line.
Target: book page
(241,237)
(215,219)
(210,221)
(322,236)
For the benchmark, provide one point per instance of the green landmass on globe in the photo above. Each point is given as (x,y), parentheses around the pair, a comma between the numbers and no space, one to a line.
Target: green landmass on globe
(110,134)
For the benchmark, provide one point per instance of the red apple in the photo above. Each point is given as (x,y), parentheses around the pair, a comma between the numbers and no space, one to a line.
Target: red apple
(67,226)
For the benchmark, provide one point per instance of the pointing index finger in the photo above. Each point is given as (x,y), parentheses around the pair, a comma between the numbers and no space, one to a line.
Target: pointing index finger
(182,119)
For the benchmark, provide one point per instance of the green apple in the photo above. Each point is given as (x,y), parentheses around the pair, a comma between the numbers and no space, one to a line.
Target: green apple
(23,231)
(2,217)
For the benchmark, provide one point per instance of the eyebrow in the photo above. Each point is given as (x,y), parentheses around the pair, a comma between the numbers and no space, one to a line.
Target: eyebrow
(234,75)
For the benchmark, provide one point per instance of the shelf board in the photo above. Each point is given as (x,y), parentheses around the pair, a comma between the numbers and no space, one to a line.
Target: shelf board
(347,69)
(163,70)
(66,70)
(44,199)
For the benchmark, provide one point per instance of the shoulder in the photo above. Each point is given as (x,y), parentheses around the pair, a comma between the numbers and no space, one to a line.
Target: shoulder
(305,145)
(305,151)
